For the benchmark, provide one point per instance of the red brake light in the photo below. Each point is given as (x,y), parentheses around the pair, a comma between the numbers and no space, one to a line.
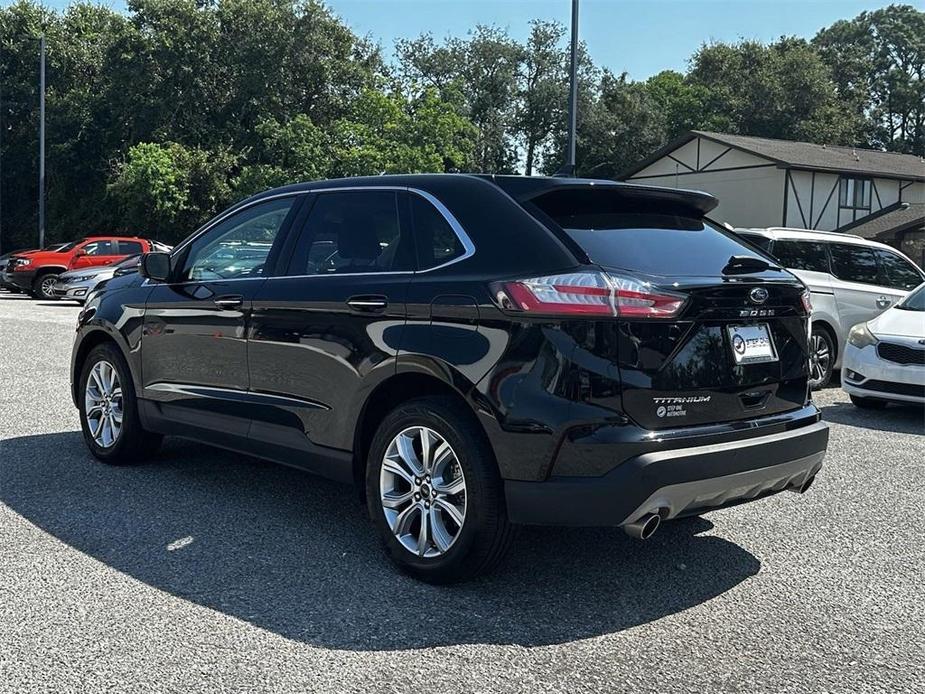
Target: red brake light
(807,299)
(589,293)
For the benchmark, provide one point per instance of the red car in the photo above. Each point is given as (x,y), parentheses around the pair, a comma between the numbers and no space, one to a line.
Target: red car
(37,271)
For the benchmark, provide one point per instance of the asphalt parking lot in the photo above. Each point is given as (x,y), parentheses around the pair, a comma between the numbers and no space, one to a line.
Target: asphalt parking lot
(204,570)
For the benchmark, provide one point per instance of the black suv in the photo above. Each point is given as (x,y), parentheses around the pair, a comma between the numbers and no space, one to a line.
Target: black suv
(474,352)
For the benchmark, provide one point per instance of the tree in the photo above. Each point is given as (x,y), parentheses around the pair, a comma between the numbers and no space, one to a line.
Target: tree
(782,90)
(622,126)
(681,104)
(381,134)
(878,64)
(479,75)
(543,91)
(168,190)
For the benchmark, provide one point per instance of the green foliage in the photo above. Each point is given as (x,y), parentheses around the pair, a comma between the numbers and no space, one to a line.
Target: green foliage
(160,116)
(877,61)
(783,90)
(167,190)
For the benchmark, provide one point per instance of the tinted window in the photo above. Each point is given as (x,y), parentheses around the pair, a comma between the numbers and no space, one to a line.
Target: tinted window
(99,248)
(655,244)
(801,255)
(854,263)
(436,241)
(854,193)
(355,231)
(239,245)
(915,301)
(897,272)
(762,242)
(131,247)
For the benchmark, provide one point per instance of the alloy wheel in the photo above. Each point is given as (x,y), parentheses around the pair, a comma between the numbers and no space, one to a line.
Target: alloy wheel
(47,287)
(422,490)
(820,358)
(103,404)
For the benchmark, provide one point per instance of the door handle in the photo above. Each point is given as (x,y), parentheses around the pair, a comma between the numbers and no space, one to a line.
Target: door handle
(229,302)
(367,303)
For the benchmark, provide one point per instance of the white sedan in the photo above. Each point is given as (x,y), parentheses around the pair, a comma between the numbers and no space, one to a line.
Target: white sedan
(885,357)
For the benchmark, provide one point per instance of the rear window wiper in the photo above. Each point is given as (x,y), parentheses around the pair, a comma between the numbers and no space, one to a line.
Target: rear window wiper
(741,264)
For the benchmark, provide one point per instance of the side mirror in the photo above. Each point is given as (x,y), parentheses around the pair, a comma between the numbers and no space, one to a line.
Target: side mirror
(155,266)
(80,254)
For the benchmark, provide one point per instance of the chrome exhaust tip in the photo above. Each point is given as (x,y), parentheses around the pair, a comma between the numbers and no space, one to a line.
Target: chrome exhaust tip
(807,484)
(644,528)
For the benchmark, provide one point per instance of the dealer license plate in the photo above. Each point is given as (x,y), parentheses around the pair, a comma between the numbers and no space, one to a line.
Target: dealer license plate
(751,344)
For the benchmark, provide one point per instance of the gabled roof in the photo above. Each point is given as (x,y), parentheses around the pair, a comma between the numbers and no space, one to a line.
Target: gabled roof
(891,219)
(806,155)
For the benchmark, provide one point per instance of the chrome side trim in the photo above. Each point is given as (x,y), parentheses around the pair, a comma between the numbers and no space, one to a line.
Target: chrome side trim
(246,396)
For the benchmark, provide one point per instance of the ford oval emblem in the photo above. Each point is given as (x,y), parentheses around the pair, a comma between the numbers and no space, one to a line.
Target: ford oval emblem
(758,295)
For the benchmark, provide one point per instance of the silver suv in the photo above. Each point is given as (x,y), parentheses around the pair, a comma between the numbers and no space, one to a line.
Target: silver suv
(851,280)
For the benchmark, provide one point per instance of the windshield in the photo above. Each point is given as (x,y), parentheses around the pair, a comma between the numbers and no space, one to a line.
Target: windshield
(914,301)
(66,247)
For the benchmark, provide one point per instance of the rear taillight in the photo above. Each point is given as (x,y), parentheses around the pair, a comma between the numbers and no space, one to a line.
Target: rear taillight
(807,300)
(589,293)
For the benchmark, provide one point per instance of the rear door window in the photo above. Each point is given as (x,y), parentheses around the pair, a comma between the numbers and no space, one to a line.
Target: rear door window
(130,247)
(854,263)
(353,232)
(897,272)
(801,255)
(435,239)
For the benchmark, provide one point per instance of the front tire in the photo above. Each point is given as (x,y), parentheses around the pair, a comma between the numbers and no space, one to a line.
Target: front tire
(868,403)
(43,286)
(821,358)
(109,410)
(434,492)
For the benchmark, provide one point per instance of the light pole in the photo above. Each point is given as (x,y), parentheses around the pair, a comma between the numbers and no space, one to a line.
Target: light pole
(573,90)
(42,142)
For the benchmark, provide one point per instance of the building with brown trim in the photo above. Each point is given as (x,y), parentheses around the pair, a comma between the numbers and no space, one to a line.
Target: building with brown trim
(762,182)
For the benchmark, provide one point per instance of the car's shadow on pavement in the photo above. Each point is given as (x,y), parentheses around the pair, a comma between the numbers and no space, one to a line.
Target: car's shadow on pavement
(296,555)
(900,419)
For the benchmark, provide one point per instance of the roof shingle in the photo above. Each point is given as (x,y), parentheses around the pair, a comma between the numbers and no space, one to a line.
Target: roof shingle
(828,157)
(896,217)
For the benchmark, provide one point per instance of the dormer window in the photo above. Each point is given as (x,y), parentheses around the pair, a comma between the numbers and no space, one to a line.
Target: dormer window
(854,194)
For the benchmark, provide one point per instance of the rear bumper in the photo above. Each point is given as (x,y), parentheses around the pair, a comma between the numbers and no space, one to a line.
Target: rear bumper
(674,482)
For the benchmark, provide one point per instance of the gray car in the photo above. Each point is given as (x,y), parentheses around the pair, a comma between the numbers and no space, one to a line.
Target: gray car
(77,284)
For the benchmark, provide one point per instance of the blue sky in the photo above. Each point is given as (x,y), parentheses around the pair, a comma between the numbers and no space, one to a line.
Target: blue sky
(641,37)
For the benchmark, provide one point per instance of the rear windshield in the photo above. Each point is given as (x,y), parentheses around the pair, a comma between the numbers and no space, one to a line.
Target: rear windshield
(655,244)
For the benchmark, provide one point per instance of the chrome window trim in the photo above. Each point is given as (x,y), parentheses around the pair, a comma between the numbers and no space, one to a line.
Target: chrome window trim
(468,246)
(226,214)
(464,239)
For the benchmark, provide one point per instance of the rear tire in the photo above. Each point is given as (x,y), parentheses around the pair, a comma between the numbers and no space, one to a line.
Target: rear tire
(821,358)
(43,286)
(125,441)
(412,489)
(868,403)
